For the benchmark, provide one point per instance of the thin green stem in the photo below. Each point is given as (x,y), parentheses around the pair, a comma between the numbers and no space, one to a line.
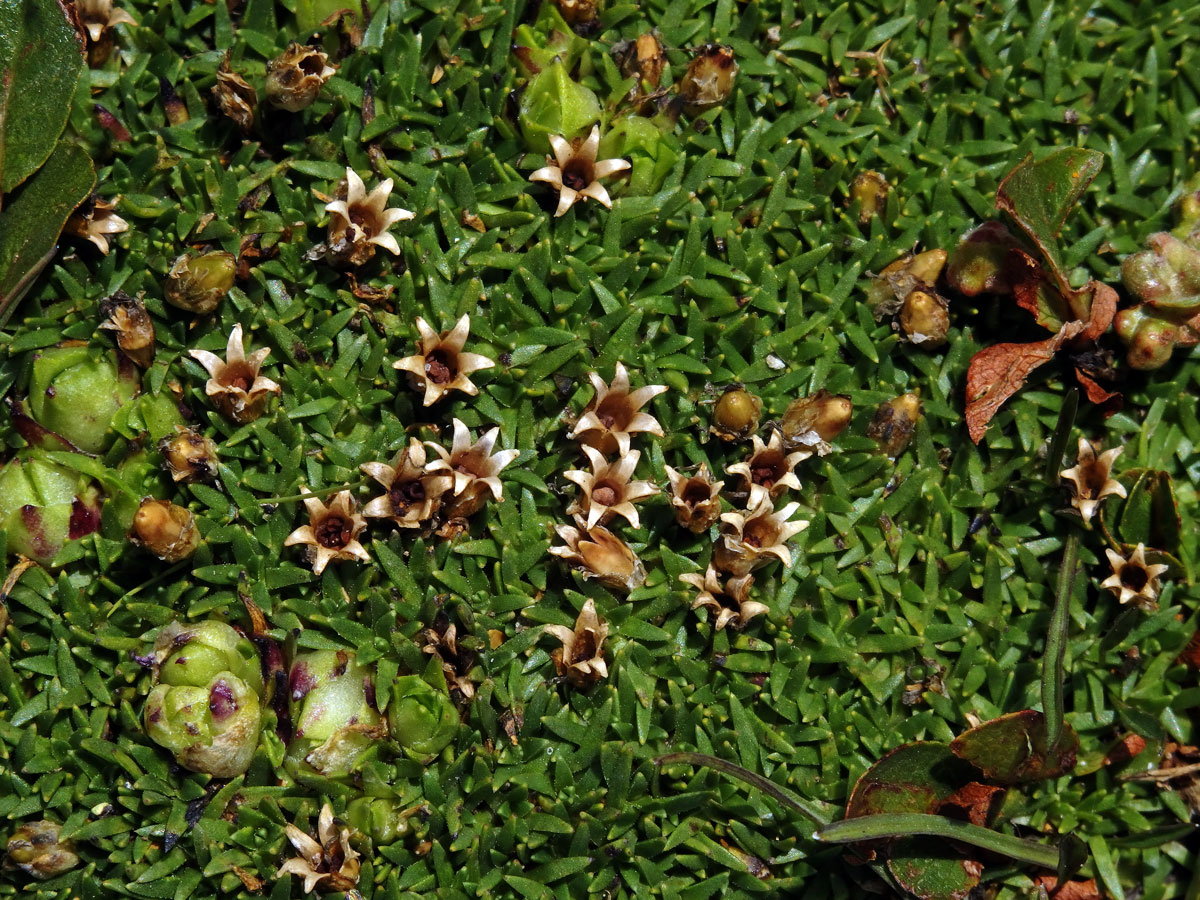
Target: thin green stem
(323,492)
(809,810)
(1056,642)
(891,825)
(1062,431)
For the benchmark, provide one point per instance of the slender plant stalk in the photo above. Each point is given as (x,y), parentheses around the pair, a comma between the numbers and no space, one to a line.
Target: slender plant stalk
(891,825)
(323,492)
(1062,431)
(1056,642)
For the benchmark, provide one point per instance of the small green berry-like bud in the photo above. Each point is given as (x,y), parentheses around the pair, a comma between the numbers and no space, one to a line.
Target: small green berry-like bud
(193,655)
(333,712)
(166,530)
(36,850)
(211,729)
(76,393)
(197,283)
(421,719)
(870,190)
(294,78)
(736,414)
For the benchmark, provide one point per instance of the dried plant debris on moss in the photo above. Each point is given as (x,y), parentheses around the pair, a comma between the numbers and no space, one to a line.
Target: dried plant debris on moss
(430,708)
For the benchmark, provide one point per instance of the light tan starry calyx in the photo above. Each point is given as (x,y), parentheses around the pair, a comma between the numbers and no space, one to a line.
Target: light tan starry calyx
(441,365)
(581,657)
(769,471)
(615,414)
(754,537)
(1133,579)
(359,222)
(728,599)
(608,491)
(696,499)
(237,389)
(332,531)
(597,553)
(575,172)
(1091,478)
(474,468)
(332,864)
(413,494)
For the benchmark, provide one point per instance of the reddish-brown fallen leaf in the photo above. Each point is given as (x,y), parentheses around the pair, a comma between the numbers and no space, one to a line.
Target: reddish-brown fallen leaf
(1191,653)
(1109,401)
(1071,890)
(1104,308)
(975,800)
(999,371)
(1125,749)
(1033,290)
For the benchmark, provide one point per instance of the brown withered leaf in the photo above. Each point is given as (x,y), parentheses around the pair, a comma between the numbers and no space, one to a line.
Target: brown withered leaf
(976,801)
(1069,890)
(999,371)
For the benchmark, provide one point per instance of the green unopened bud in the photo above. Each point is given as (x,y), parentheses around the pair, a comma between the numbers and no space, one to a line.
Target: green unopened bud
(870,191)
(709,79)
(75,392)
(42,506)
(166,530)
(381,819)
(36,850)
(736,414)
(421,718)
(651,151)
(554,104)
(211,729)
(197,283)
(294,78)
(193,655)
(333,712)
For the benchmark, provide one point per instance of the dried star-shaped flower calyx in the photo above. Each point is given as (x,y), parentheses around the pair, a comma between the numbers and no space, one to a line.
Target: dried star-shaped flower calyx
(753,538)
(235,97)
(696,499)
(98,18)
(414,494)
(581,657)
(359,222)
(235,385)
(332,863)
(442,366)
(575,171)
(728,600)
(597,553)
(614,414)
(95,220)
(1091,478)
(769,471)
(607,490)
(294,78)
(475,469)
(457,659)
(332,531)
(134,328)
(1133,579)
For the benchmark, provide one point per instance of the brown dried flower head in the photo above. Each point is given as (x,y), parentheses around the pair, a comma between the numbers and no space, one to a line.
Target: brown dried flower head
(94,221)
(332,531)
(597,553)
(474,467)
(870,190)
(576,172)
(581,657)
(643,58)
(607,490)
(1091,478)
(98,16)
(457,660)
(811,422)
(166,530)
(753,538)
(1133,579)
(709,79)
(359,222)
(695,499)
(413,493)
(441,365)
(614,415)
(190,456)
(237,389)
(894,423)
(235,97)
(578,12)
(127,316)
(294,78)
(332,863)
(769,471)
(730,602)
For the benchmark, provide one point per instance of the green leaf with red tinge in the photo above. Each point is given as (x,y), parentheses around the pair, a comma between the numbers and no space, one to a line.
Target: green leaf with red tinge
(1012,749)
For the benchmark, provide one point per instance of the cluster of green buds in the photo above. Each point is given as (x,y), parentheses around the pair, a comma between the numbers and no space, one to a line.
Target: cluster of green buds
(206,705)
(334,718)
(1165,278)
(421,717)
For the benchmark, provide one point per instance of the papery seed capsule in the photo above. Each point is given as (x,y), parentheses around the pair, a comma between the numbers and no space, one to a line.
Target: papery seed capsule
(166,530)
(709,79)
(294,78)
(36,850)
(895,422)
(870,190)
(924,319)
(190,456)
(197,283)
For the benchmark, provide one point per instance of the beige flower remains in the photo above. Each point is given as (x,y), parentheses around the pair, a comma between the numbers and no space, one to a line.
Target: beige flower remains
(607,491)
(1133,579)
(597,553)
(1091,478)
(769,471)
(730,603)
(581,657)
(441,365)
(441,641)
(95,221)
(413,493)
(576,172)
(332,531)
(235,96)
(237,389)
(332,861)
(753,538)
(474,468)
(614,413)
(98,16)
(359,222)
(696,500)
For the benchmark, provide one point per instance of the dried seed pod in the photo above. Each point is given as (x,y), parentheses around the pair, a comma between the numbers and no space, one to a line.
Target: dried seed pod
(894,423)
(696,500)
(709,79)
(736,414)
(457,659)
(190,457)
(924,319)
(197,283)
(643,58)
(235,97)
(166,530)
(814,421)
(127,316)
(598,553)
(36,850)
(95,220)
(294,78)
(579,13)
(870,190)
